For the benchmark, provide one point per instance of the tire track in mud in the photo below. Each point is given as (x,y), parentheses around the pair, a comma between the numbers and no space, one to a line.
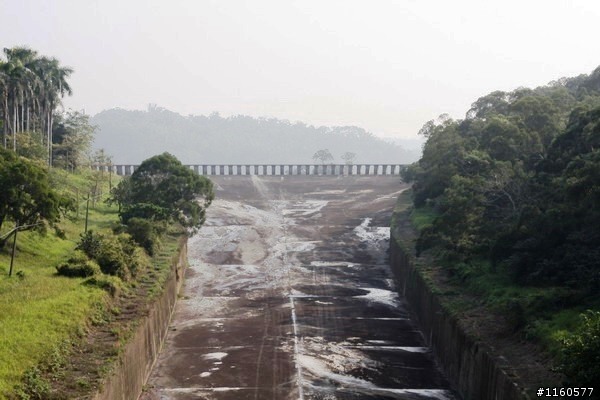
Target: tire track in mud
(288,297)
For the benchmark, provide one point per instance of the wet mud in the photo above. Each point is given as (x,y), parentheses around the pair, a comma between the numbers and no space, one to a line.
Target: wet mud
(289,296)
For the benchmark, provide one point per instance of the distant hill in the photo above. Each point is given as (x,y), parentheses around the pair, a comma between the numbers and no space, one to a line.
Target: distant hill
(132,136)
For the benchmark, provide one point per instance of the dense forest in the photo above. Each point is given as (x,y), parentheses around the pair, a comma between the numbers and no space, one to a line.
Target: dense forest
(513,190)
(131,136)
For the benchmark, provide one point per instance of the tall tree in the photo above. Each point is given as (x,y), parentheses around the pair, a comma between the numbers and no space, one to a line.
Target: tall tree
(163,188)
(72,137)
(323,155)
(27,198)
(30,91)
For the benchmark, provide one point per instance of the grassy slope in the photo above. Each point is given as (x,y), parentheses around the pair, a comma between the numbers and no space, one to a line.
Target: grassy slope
(42,311)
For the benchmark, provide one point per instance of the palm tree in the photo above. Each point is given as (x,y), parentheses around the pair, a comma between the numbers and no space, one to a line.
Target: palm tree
(19,84)
(4,99)
(54,87)
(31,87)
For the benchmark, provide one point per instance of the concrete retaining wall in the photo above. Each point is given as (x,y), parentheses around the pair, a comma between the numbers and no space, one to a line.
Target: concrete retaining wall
(467,362)
(128,378)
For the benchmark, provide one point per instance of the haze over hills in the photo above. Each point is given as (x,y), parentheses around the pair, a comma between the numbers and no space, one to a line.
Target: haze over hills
(132,136)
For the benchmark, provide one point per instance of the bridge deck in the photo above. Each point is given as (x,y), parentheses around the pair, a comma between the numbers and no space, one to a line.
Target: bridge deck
(275,169)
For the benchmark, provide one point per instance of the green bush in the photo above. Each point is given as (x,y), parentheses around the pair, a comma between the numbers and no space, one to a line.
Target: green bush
(120,256)
(144,211)
(79,265)
(135,257)
(581,352)
(112,259)
(147,233)
(90,243)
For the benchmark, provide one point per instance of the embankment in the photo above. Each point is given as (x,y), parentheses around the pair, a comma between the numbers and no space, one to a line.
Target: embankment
(469,363)
(135,363)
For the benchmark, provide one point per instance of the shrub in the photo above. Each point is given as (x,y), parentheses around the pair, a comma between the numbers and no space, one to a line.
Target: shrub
(90,244)
(581,352)
(135,257)
(146,233)
(112,259)
(120,256)
(79,265)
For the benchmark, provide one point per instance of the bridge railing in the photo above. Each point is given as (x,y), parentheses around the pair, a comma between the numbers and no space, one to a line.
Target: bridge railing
(274,169)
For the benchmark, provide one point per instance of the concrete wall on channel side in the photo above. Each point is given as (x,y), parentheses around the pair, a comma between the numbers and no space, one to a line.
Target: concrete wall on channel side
(467,362)
(136,361)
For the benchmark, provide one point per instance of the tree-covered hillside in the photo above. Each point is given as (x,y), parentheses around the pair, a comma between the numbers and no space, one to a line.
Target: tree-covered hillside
(131,136)
(513,195)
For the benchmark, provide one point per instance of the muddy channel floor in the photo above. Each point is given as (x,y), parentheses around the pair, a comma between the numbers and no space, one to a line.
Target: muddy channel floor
(289,296)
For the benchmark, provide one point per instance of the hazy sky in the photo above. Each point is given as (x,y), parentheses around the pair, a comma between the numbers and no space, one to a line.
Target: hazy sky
(388,66)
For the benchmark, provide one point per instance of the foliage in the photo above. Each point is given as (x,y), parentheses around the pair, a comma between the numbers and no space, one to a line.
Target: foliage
(90,243)
(46,311)
(163,189)
(119,256)
(323,155)
(120,194)
(79,265)
(147,233)
(581,352)
(72,139)
(31,87)
(516,182)
(26,198)
(29,146)
(507,203)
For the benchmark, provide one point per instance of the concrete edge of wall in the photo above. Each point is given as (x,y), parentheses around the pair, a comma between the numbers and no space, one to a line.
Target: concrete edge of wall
(467,362)
(133,367)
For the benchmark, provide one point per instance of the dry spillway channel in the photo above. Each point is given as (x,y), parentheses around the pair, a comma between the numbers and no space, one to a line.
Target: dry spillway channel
(289,296)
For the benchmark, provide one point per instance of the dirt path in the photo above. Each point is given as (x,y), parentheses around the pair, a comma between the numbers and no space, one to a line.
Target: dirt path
(289,297)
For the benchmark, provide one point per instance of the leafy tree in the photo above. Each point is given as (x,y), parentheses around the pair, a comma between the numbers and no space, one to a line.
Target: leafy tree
(30,146)
(72,139)
(120,194)
(26,198)
(323,156)
(442,158)
(162,188)
(557,239)
(493,103)
(517,182)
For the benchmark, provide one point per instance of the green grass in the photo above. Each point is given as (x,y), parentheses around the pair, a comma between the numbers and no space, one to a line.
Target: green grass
(162,262)
(42,311)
